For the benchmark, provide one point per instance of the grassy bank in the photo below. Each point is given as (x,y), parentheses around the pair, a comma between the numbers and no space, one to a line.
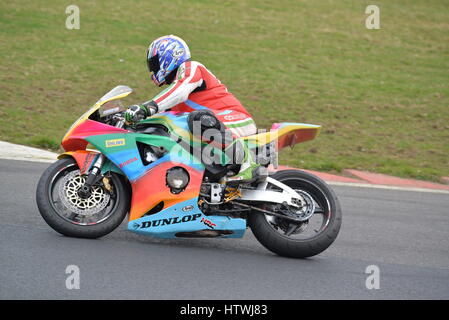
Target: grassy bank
(382,96)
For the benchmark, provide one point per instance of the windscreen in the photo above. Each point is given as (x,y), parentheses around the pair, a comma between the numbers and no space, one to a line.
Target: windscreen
(117,91)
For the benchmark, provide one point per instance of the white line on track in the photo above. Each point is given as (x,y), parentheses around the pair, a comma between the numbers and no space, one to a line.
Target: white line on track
(380,186)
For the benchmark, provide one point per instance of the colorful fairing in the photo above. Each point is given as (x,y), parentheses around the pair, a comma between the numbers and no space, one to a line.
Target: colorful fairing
(155,210)
(74,139)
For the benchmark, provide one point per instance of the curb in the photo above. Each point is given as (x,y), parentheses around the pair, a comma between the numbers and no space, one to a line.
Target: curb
(375,180)
(383,179)
(13,151)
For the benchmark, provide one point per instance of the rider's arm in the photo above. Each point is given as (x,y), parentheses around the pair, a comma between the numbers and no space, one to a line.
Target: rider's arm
(188,78)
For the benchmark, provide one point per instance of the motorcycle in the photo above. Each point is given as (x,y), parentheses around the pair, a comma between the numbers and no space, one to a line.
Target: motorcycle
(150,172)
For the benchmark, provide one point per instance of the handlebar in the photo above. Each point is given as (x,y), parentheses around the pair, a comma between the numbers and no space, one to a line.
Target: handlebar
(120,121)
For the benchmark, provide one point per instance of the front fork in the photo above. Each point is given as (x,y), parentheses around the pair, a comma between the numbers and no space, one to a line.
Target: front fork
(85,190)
(95,173)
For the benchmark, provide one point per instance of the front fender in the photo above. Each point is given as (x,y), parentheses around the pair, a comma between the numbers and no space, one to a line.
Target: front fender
(85,159)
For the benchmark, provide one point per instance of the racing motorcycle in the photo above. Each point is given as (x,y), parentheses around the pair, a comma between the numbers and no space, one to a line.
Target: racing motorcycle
(149,171)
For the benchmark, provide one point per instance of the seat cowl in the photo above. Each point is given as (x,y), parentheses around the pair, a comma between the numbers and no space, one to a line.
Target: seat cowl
(284,134)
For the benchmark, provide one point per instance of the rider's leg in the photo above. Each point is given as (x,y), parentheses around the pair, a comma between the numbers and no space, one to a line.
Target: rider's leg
(240,125)
(249,168)
(231,126)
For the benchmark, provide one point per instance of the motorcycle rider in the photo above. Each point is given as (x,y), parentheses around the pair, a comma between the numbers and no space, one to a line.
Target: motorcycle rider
(193,88)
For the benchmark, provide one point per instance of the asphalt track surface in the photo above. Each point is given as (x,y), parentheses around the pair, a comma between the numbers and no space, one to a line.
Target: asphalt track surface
(405,234)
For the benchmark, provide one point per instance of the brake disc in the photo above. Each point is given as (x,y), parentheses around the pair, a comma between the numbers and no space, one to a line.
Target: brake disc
(68,194)
(306,210)
(307,206)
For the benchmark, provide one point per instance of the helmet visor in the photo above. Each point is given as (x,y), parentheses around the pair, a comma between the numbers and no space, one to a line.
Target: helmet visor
(153,64)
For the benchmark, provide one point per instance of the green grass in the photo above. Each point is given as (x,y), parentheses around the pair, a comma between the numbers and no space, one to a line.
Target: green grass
(382,96)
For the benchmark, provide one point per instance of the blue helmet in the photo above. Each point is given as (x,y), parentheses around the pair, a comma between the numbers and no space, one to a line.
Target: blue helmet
(165,55)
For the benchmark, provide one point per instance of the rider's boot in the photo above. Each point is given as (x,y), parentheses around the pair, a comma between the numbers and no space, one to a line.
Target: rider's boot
(250,170)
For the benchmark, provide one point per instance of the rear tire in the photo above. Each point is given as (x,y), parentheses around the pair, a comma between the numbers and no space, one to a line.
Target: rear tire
(63,225)
(285,246)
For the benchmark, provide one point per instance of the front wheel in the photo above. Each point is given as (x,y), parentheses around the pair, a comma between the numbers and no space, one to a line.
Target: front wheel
(300,239)
(69,214)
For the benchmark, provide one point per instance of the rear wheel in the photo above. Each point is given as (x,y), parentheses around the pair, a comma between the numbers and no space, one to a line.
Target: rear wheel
(321,210)
(72,215)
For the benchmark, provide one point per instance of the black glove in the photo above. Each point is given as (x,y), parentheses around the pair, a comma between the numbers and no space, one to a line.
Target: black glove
(137,113)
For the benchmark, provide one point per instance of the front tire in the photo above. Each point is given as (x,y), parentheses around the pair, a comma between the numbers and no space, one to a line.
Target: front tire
(57,203)
(270,233)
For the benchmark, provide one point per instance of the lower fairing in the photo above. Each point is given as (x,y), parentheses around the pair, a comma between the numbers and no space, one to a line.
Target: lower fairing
(185,219)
